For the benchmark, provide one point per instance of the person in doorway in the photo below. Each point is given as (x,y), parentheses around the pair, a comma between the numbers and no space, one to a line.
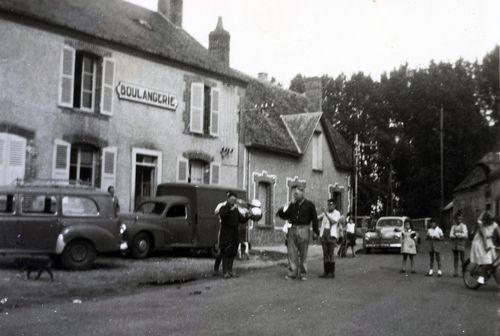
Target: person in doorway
(408,246)
(300,213)
(458,236)
(350,235)
(435,237)
(116,203)
(483,249)
(329,233)
(230,218)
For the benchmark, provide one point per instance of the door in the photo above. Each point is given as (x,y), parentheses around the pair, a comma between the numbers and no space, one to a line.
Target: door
(264,196)
(39,223)
(8,221)
(179,225)
(146,175)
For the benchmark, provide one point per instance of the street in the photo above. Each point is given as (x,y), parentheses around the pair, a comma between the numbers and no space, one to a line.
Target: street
(368,297)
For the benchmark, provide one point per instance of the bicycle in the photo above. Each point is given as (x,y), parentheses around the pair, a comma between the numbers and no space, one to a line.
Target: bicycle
(471,273)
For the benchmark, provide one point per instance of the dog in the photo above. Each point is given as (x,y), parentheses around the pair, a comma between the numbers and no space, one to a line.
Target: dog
(38,264)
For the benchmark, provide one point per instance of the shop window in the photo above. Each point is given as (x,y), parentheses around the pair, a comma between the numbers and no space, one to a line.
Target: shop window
(83,164)
(204,109)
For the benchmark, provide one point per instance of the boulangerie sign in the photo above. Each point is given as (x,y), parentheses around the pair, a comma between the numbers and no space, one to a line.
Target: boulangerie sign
(139,94)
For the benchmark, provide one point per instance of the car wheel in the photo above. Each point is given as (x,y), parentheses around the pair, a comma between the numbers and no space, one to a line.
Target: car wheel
(78,255)
(141,245)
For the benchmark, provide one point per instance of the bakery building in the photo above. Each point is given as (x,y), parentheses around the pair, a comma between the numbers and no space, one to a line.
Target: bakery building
(110,93)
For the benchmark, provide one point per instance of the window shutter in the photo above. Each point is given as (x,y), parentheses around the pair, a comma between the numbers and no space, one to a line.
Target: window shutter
(60,164)
(197,107)
(67,74)
(315,152)
(320,151)
(182,169)
(214,173)
(108,83)
(108,167)
(3,160)
(214,112)
(16,147)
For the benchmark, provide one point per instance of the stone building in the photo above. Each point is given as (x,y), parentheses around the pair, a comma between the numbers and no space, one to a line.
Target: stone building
(110,93)
(283,145)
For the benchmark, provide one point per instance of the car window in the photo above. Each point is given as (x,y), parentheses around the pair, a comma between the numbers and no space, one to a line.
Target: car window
(79,206)
(7,203)
(39,204)
(156,208)
(389,222)
(177,211)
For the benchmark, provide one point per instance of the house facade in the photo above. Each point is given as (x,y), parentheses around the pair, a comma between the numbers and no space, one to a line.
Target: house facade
(283,146)
(110,93)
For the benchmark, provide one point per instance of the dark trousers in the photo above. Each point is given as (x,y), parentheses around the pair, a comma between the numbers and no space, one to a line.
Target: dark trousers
(227,265)
(456,256)
(328,244)
(218,260)
(436,255)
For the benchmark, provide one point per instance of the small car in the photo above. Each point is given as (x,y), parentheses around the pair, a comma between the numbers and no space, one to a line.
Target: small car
(387,234)
(71,223)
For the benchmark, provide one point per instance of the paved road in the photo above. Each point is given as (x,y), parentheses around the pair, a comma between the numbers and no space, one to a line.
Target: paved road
(368,297)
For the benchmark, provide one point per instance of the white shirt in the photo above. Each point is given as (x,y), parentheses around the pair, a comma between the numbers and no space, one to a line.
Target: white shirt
(435,233)
(351,228)
(334,217)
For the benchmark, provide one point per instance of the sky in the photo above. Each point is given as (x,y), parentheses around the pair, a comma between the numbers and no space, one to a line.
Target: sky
(316,37)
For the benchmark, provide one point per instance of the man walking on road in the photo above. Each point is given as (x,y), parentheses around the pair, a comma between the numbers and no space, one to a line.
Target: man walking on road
(329,234)
(300,213)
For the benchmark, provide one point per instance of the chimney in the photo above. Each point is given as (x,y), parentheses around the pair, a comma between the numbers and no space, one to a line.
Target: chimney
(314,93)
(171,10)
(262,76)
(218,43)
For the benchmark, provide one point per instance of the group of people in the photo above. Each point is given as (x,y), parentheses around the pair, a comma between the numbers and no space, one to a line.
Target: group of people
(482,251)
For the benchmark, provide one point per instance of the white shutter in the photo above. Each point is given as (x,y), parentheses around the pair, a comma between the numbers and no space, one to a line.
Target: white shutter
(108,167)
(108,83)
(67,74)
(182,169)
(3,158)
(214,111)
(16,148)
(315,151)
(319,156)
(60,161)
(214,173)
(197,107)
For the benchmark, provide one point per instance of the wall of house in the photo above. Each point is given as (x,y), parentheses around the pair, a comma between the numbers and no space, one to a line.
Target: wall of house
(29,81)
(282,171)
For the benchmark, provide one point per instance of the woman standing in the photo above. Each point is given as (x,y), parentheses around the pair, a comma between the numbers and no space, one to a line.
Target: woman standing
(458,236)
(408,246)
(483,251)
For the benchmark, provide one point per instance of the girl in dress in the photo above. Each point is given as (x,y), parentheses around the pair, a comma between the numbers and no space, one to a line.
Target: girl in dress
(458,236)
(483,251)
(435,237)
(408,246)
(350,229)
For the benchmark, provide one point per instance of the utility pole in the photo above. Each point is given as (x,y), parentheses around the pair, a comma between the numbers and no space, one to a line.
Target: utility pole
(357,153)
(442,159)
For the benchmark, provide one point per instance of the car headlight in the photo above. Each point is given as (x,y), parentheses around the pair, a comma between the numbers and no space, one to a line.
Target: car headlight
(123,228)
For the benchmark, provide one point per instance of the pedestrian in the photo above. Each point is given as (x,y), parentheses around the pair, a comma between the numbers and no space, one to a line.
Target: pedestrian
(408,246)
(218,255)
(435,238)
(482,251)
(243,245)
(301,212)
(350,234)
(230,218)
(329,233)
(458,236)
(341,253)
(116,203)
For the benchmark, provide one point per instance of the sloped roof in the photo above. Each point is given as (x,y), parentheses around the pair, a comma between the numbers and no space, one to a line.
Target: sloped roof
(486,169)
(301,127)
(121,22)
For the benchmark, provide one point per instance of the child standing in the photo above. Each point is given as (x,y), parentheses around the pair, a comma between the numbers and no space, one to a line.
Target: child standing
(350,234)
(435,237)
(408,246)
(458,235)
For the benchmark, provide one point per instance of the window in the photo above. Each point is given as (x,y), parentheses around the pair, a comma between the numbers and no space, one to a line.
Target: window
(199,172)
(79,206)
(39,204)
(7,203)
(264,194)
(155,208)
(205,107)
(85,74)
(82,167)
(177,211)
(317,148)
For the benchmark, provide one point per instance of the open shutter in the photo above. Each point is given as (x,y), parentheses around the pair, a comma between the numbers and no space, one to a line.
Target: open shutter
(108,83)
(319,157)
(214,112)
(108,167)
(16,146)
(197,107)
(182,169)
(60,161)
(67,74)
(3,158)
(214,173)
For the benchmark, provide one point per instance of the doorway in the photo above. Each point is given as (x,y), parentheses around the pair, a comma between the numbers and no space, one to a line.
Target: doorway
(146,175)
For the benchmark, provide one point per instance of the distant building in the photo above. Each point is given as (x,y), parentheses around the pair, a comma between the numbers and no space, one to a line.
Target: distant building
(480,190)
(111,93)
(284,145)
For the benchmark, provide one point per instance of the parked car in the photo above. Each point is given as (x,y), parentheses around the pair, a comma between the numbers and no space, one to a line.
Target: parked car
(180,216)
(72,223)
(387,234)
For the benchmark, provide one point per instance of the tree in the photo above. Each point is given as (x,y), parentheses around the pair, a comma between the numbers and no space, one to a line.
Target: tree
(297,84)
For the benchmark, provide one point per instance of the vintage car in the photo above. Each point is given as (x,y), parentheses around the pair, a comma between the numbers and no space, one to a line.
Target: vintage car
(69,222)
(387,234)
(180,216)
